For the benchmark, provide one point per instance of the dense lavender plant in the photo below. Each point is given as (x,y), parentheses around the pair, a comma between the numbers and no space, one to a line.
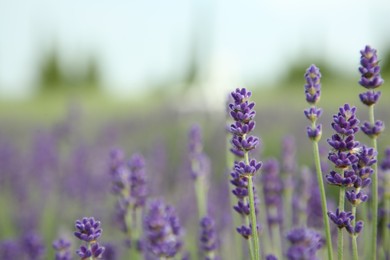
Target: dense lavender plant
(162,230)
(208,238)
(242,112)
(304,244)
(62,248)
(314,132)
(89,231)
(371,79)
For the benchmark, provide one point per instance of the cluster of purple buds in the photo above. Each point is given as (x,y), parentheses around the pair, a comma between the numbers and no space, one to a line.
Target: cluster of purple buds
(199,162)
(272,190)
(344,220)
(304,244)
(62,248)
(162,230)
(138,188)
(242,112)
(313,94)
(33,246)
(208,238)
(88,230)
(370,76)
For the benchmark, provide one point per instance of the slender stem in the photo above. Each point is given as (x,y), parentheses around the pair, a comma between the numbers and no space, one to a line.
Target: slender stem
(386,230)
(340,246)
(354,236)
(323,199)
(201,191)
(288,205)
(250,242)
(255,236)
(276,239)
(374,191)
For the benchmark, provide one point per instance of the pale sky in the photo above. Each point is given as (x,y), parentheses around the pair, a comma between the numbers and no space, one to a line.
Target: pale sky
(143,41)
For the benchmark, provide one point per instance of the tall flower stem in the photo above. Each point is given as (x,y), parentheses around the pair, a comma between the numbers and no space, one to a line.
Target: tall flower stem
(354,236)
(340,238)
(201,191)
(250,241)
(374,190)
(323,198)
(253,220)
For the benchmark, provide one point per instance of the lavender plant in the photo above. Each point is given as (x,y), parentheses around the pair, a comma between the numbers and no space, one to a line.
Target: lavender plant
(62,248)
(241,110)
(162,230)
(304,244)
(314,132)
(371,79)
(208,238)
(88,230)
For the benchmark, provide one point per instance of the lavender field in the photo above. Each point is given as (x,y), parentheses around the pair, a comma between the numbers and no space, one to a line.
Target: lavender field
(295,172)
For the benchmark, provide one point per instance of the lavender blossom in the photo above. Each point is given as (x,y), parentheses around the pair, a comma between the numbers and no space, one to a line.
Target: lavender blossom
(62,248)
(162,230)
(200,163)
(304,244)
(10,250)
(208,238)
(32,245)
(88,230)
(138,188)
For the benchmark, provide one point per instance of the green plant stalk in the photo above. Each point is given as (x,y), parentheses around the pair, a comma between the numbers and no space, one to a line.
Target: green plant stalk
(255,236)
(236,218)
(354,236)
(374,191)
(252,214)
(263,219)
(287,198)
(250,242)
(386,230)
(323,198)
(201,191)
(340,242)
(276,239)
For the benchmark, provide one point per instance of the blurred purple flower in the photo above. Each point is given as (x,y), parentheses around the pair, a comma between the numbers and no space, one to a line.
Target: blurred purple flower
(304,244)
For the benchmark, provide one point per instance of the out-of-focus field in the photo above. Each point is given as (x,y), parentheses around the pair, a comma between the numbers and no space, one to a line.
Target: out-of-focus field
(71,134)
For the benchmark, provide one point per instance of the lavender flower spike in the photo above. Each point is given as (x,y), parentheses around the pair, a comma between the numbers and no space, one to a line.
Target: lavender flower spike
(162,230)
(304,244)
(208,238)
(88,230)
(62,247)
(370,69)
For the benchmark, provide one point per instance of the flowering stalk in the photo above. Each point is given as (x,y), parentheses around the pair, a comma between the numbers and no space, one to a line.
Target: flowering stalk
(313,92)
(371,79)
(199,168)
(304,244)
(62,248)
(241,110)
(129,185)
(208,238)
(88,230)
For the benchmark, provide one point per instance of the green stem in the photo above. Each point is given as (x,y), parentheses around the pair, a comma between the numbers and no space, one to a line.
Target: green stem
(250,242)
(287,198)
(276,239)
(200,191)
(323,199)
(340,242)
(386,230)
(255,236)
(374,191)
(354,236)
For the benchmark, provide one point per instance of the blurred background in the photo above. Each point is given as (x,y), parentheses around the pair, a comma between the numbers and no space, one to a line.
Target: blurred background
(80,77)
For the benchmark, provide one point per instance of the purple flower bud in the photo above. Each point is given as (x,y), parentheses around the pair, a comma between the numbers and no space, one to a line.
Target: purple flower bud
(246,232)
(313,85)
(373,130)
(95,251)
(314,133)
(138,188)
(32,245)
(347,180)
(370,97)
(88,229)
(355,198)
(370,69)
(345,122)
(271,257)
(341,218)
(355,230)
(312,113)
